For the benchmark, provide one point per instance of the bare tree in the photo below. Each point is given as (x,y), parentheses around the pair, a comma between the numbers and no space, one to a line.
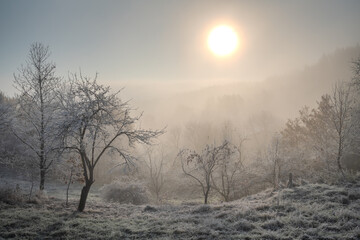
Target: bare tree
(200,167)
(96,122)
(229,165)
(36,108)
(70,171)
(326,131)
(341,107)
(275,160)
(155,165)
(356,106)
(312,135)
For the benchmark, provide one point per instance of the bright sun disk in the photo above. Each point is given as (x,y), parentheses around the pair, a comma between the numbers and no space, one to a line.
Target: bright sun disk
(223,40)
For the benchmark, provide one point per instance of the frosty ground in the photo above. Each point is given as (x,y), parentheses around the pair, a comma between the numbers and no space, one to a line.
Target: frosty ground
(311,211)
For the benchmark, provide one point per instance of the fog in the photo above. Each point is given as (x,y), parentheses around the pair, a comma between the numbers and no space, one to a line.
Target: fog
(122,120)
(280,96)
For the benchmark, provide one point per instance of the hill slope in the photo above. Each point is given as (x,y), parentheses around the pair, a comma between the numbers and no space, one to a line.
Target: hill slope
(282,95)
(312,211)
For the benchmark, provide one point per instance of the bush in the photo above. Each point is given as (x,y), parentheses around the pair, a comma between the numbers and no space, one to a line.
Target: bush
(11,196)
(39,198)
(134,193)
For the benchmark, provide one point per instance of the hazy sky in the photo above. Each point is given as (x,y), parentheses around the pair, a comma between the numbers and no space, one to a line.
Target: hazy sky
(133,41)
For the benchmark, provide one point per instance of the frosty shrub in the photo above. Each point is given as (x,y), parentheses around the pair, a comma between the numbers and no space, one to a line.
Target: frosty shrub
(10,196)
(41,195)
(125,193)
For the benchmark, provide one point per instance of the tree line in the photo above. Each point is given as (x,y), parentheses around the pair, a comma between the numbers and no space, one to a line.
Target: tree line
(77,122)
(52,117)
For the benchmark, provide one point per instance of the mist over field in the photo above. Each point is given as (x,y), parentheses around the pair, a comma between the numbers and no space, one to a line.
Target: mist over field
(179,120)
(281,95)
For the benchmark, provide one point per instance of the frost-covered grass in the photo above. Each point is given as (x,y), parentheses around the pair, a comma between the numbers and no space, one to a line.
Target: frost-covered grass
(313,211)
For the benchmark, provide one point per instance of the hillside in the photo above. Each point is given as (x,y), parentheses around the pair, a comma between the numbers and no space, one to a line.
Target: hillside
(290,92)
(311,211)
(282,95)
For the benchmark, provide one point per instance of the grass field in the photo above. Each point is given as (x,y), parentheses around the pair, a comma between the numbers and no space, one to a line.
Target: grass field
(312,211)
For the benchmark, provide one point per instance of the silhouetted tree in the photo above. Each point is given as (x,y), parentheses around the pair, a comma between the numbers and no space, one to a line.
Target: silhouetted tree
(96,122)
(154,162)
(200,167)
(230,163)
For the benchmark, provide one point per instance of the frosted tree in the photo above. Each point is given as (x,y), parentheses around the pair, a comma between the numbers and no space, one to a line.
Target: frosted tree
(200,167)
(5,111)
(312,134)
(356,105)
(341,110)
(8,143)
(96,122)
(327,131)
(224,178)
(154,161)
(275,160)
(71,171)
(37,108)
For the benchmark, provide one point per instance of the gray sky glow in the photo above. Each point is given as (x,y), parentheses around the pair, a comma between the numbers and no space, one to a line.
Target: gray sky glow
(136,41)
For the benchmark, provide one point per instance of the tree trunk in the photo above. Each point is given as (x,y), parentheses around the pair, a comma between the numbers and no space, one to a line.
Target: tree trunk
(338,160)
(31,189)
(42,179)
(206,196)
(67,189)
(157,197)
(290,182)
(84,193)
(274,177)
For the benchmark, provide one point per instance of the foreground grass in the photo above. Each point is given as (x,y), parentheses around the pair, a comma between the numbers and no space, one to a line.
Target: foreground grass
(313,211)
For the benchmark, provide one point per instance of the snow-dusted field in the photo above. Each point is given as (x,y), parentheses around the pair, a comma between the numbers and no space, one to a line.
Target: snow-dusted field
(313,211)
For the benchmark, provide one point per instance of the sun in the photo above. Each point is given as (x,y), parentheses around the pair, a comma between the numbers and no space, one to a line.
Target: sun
(223,40)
